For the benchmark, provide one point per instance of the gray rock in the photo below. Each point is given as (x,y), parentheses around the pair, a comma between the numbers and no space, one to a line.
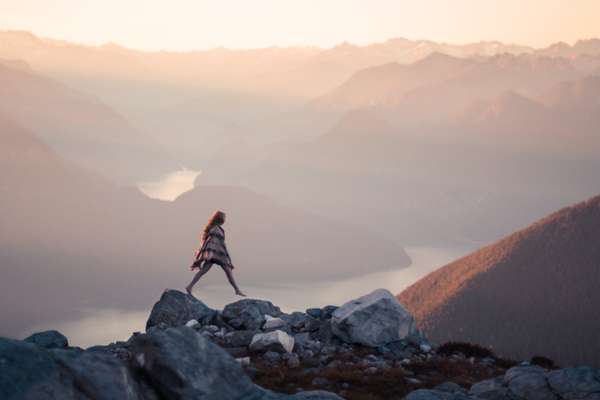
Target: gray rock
(303,339)
(30,372)
(250,312)
(488,385)
(273,323)
(295,320)
(450,387)
(317,395)
(99,350)
(176,308)
(324,334)
(240,338)
(319,382)
(311,324)
(327,311)
(312,362)
(315,312)
(48,340)
(272,356)
(430,394)
(182,364)
(373,320)
(528,382)
(293,362)
(335,364)
(277,341)
(576,383)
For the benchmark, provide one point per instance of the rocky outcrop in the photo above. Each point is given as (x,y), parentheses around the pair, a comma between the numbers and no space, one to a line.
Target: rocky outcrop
(28,371)
(524,382)
(176,308)
(182,364)
(373,320)
(208,358)
(49,340)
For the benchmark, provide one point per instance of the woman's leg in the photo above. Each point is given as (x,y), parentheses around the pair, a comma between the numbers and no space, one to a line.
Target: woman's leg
(205,268)
(229,272)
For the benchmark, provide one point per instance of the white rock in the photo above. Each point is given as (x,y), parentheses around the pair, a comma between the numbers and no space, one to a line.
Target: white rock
(191,323)
(373,320)
(245,361)
(425,348)
(278,341)
(273,323)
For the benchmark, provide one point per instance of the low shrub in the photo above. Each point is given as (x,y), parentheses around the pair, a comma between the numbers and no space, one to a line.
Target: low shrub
(543,362)
(468,349)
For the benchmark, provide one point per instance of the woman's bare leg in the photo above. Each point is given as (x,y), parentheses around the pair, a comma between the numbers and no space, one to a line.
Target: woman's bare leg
(229,272)
(205,268)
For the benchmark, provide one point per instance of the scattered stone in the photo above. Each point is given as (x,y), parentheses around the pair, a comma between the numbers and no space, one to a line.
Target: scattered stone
(293,362)
(335,364)
(244,361)
(319,382)
(48,340)
(426,348)
(373,320)
(272,357)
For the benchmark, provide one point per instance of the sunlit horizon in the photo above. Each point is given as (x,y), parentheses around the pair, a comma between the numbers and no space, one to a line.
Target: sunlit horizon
(186,26)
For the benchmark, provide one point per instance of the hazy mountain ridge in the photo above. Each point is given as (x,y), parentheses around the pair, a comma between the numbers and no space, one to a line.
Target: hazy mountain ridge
(81,128)
(533,292)
(433,88)
(461,179)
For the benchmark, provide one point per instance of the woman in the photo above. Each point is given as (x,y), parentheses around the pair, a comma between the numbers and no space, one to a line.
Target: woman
(213,251)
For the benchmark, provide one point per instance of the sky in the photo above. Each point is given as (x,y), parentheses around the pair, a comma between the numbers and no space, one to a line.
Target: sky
(185,25)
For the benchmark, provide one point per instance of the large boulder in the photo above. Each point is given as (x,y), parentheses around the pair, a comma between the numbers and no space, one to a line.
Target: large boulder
(182,364)
(249,314)
(278,341)
(48,340)
(576,383)
(528,382)
(373,320)
(176,308)
(30,372)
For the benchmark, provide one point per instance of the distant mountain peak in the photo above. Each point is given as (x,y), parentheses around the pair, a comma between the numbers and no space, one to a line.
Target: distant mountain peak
(583,94)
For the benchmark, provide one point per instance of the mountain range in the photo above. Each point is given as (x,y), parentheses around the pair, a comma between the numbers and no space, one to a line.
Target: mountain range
(533,292)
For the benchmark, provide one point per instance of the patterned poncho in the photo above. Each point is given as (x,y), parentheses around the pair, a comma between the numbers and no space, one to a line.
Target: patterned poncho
(213,249)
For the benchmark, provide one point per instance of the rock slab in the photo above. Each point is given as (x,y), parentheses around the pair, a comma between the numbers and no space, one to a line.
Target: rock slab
(373,320)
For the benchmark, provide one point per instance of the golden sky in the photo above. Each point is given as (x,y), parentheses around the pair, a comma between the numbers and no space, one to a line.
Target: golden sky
(183,25)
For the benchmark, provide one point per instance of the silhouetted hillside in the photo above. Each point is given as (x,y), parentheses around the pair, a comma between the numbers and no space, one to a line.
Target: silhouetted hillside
(533,292)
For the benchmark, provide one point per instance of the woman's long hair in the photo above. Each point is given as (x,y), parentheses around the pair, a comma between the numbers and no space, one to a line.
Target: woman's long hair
(218,218)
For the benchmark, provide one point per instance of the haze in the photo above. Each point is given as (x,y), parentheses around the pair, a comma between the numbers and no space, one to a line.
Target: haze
(185,25)
(352,146)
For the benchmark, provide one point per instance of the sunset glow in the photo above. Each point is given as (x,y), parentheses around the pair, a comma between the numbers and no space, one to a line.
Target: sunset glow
(184,25)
